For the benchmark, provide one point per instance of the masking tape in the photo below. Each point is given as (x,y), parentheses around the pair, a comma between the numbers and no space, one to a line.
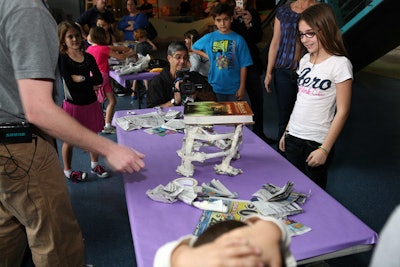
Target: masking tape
(186,181)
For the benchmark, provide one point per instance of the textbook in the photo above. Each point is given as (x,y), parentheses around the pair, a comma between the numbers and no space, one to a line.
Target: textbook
(209,112)
(238,210)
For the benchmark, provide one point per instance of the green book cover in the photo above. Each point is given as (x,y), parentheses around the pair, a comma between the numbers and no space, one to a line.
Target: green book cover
(217,112)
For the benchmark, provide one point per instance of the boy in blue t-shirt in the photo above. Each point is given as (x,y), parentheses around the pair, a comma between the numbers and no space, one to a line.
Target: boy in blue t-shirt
(228,54)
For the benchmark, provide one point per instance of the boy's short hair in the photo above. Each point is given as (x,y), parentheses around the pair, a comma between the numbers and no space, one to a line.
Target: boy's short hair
(222,8)
(216,230)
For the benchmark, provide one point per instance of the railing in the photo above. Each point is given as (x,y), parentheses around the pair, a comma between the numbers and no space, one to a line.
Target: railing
(352,11)
(348,12)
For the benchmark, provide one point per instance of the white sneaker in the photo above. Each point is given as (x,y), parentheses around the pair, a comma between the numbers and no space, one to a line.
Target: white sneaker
(109,130)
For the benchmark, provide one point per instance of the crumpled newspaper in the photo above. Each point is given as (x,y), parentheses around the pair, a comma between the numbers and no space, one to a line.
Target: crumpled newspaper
(134,122)
(166,194)
(172,192)
(133,67)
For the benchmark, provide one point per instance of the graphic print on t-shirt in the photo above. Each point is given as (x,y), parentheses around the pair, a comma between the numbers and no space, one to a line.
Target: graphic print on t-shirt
(224,51)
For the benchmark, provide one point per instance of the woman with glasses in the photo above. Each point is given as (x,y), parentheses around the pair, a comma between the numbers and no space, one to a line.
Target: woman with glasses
(324,94)
(280,69)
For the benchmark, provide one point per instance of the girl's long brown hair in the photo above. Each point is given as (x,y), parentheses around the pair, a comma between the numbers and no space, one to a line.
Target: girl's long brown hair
(323,21)
(63,28)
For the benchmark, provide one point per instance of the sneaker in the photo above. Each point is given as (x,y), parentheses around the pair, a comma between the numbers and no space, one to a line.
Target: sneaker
(100,171)
(77,176)
(109,130)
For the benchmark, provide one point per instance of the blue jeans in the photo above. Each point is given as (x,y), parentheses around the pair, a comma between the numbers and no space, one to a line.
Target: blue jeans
(297,151)
(285,85)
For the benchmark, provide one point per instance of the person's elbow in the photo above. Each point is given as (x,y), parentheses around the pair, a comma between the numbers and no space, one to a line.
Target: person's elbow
(37,104)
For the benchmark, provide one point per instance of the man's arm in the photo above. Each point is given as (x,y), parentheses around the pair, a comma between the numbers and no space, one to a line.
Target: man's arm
(40,110)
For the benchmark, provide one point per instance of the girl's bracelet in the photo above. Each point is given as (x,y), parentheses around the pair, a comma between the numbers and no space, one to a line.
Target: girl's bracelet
(326,152)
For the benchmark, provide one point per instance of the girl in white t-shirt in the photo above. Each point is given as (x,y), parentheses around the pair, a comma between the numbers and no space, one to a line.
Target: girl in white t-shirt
(324,94)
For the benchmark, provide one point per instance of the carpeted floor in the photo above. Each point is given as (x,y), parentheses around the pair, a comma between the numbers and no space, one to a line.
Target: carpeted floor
(388,65)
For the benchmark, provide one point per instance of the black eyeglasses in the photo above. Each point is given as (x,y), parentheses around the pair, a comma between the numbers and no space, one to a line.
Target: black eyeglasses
(180,57)
(306,34)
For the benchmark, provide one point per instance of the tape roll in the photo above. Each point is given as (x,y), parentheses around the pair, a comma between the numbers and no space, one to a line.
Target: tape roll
(186,181)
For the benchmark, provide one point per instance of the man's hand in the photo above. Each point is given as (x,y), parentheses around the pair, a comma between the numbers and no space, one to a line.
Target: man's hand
(125,160)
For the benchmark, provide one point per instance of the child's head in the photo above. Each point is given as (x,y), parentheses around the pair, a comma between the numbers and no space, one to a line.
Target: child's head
(216,230)
(318,23)
(223,16)
(191,36)
(139,34)
(98,35)
(69,35)
(103,22)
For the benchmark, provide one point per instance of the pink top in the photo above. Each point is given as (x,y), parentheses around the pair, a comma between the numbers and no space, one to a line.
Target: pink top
(101,54)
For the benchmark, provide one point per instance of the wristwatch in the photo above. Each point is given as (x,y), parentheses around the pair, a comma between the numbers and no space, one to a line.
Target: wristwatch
(173,102)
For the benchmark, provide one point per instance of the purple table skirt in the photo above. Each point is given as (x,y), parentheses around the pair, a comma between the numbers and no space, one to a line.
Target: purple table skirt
(130,77)
(153,223)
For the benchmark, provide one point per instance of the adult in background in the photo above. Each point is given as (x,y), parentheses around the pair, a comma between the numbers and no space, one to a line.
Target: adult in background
(106,25)
(88,18)
(281,65)
(133,21)
(35,208)
(184,8)
(165,89)
(147,8)
(247,23)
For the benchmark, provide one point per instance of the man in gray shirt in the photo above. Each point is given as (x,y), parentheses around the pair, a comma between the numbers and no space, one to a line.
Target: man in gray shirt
(34,201)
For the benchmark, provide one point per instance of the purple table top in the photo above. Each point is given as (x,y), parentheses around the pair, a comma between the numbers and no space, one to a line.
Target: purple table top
(130,77)
(153,223)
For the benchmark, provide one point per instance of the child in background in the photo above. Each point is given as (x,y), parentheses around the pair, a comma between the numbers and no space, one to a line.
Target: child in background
(101,51)
(81,77)
(228,54)
(106,25)
(324,94)
(144,47)
(197,62)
